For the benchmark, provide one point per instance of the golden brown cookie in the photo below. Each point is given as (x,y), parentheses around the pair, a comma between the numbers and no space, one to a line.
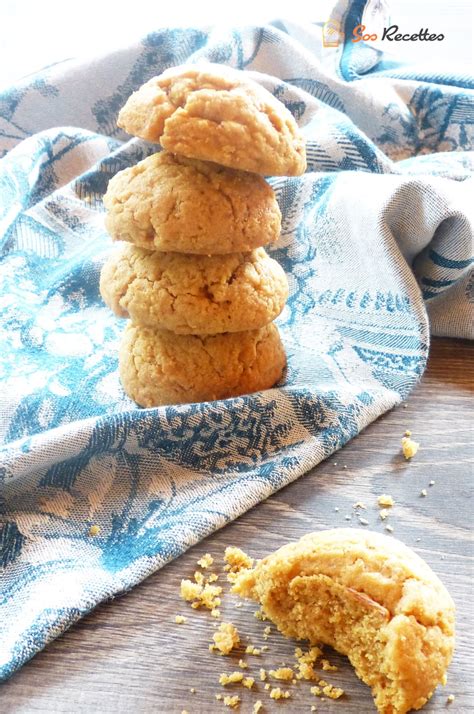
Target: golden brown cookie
(171,203)
(158,367)
(371,598)
(216,113)
(194,294)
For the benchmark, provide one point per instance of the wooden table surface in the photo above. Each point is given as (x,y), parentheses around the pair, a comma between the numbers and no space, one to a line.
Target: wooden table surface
(130,656)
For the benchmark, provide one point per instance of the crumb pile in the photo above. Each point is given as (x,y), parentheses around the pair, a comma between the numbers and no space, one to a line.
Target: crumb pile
(191,273)
(308,666)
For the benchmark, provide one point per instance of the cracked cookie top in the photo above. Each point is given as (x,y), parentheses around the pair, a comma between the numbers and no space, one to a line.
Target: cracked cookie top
(194,294)
(215,113)
(170,203)
(158,367)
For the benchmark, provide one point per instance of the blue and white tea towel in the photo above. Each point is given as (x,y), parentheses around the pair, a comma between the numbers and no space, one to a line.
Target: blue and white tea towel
(376,235)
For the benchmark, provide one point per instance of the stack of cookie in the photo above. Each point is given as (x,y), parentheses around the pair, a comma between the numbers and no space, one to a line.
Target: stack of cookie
(193,276)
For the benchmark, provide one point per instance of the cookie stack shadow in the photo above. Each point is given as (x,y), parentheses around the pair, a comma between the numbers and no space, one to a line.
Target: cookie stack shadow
(191,272)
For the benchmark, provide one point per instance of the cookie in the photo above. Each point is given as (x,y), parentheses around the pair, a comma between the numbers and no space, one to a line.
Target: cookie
(194,294)
(372,599)
(171,203)
(158,367)
(216,113)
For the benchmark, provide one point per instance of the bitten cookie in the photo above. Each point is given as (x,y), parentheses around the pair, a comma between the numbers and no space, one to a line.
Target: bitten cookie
(158,367)
(171,203)
(194,294)
(216,113)
(371,598)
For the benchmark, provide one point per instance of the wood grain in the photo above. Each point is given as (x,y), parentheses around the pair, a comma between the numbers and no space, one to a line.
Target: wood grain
(130,656)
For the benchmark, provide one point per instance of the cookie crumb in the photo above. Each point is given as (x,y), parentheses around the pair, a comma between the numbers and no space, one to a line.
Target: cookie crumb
(385,500)
(389,528)
(94,531)
(242,664)
(306,671)
(336,509)
(226,638)
(209,597)
(200,593)
(409,447)
(431,483)
(250,649)
(189,590)
(277,693)
(359,504)
(423,492)
(232,702)
(348,518)
(311,656)
(384,513)
(180,619)
(332,692)
(206,561)
(284,673)
(306,662)
(257,706)
(231,678)
(327,666)
(263,675)
(248,682)
(260,615)
(192,690)
(450,699)
(363,521)
(407,432)
(199,577)
(236,559)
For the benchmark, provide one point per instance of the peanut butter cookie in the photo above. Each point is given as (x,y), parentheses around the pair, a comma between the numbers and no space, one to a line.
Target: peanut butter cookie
(171,203)
(194,294)
(216,113)
(371,598)
(158,367)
